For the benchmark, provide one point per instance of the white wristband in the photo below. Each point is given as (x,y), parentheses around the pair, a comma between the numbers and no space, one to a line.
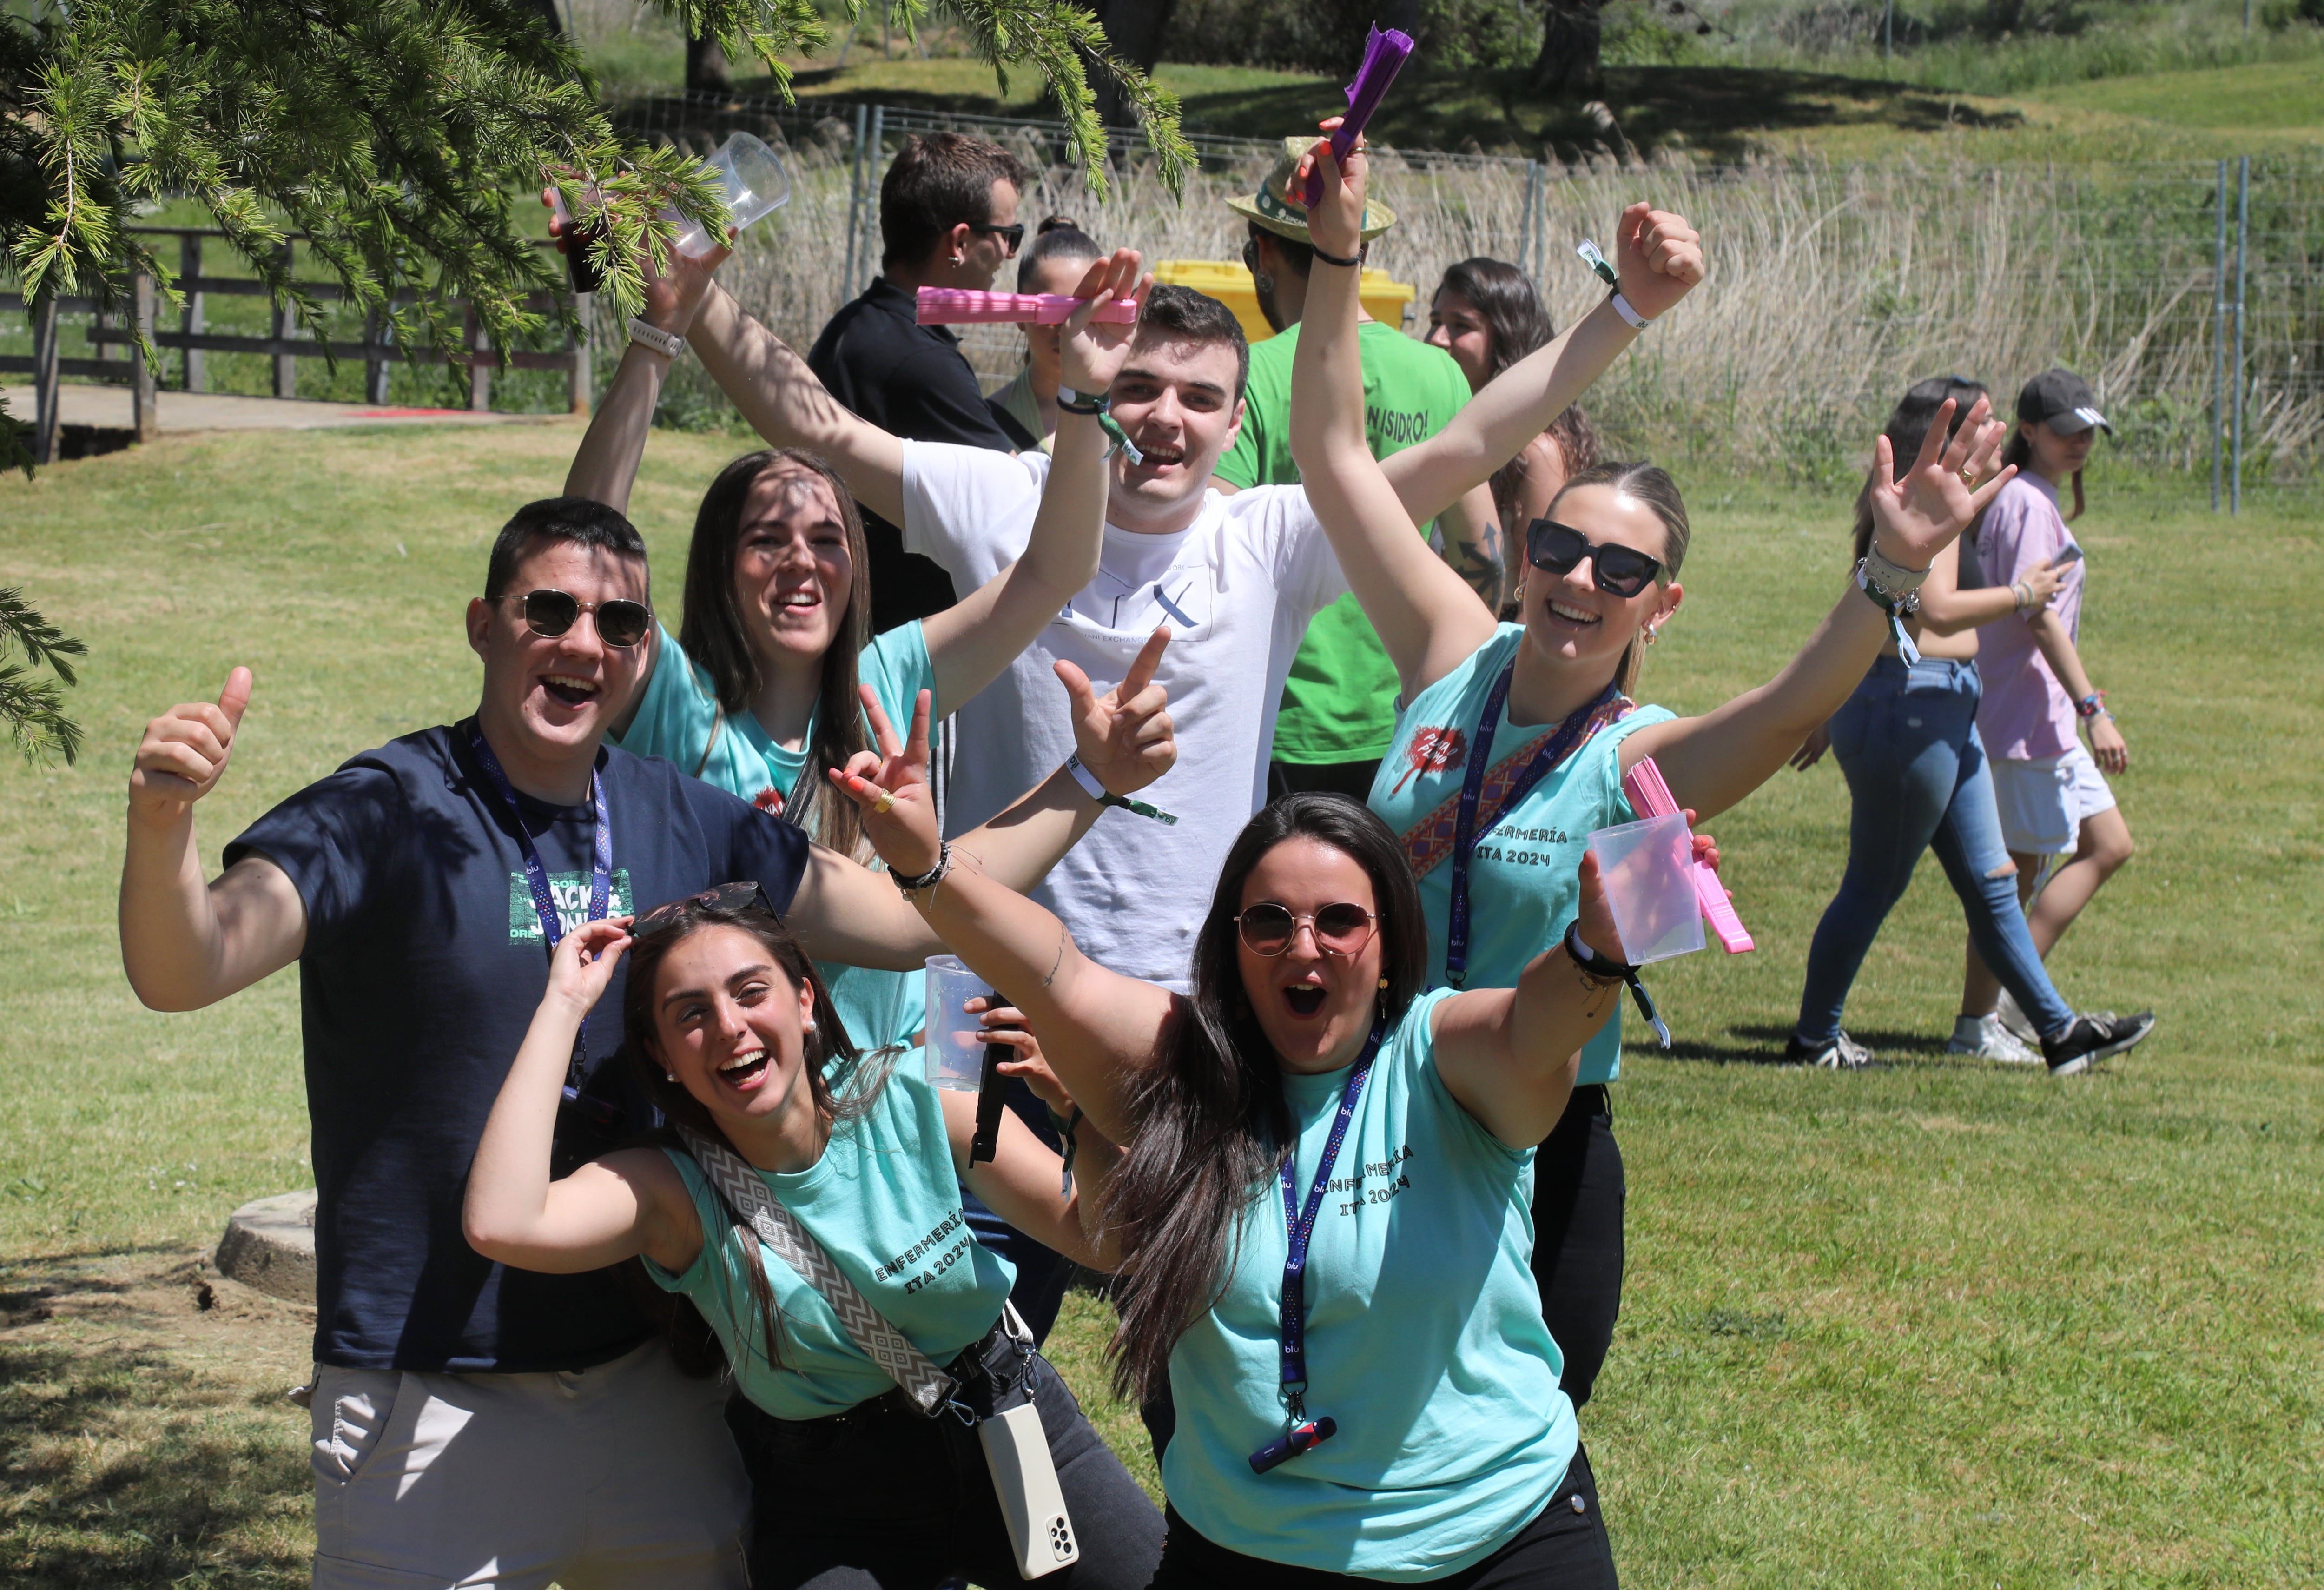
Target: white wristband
(1638,322)
(668,344)
(1086,779)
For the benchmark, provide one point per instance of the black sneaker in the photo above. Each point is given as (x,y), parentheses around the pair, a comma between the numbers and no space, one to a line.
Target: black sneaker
(1843,1053)
(2092,1039)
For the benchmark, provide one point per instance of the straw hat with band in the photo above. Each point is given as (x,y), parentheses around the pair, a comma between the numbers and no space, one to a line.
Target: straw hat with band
(1288,218)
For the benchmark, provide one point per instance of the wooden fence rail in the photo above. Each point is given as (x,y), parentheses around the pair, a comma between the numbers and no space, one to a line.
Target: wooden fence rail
(283,343)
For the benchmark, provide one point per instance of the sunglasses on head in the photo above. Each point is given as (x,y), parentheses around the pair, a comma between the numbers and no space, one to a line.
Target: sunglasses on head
(1620,571)
(549,613)
(1269,929)
(725,897)
(1010,236)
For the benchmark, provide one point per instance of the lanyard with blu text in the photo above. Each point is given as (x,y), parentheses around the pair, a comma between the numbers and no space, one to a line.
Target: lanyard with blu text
(536,876)
(1472,785)
(1299,1431)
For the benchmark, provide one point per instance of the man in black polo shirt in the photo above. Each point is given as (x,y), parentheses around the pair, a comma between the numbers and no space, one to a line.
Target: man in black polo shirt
(948,219)
(474,1424)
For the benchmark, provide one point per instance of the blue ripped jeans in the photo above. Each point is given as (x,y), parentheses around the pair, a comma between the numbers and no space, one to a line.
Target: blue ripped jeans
(1916,773)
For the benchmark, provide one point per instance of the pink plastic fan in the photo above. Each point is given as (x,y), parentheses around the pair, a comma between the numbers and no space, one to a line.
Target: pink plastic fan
(960,306)
(1650,797)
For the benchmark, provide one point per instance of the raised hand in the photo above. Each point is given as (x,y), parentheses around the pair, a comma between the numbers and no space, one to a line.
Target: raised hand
(184,751)
(1657,256)
(891,786)
(584,962)
(1335,223)
(674,292)
(1124,736)
(1094,351)
(1915,517)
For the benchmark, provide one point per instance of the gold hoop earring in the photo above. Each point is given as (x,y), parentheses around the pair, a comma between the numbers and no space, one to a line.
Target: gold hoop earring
(1517,595)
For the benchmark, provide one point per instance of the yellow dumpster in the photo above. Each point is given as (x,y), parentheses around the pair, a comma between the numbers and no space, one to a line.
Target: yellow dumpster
(1228,281)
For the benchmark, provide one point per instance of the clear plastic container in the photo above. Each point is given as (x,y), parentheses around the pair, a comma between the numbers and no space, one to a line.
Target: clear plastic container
(955,1040)
(1648,871)
(756,184)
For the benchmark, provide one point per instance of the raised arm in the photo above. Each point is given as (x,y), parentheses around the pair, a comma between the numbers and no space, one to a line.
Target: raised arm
(628,1203)
(970,643)
(1097,1027)
(605,465)
(186,943)
(1427,616)
(1510,1055)
(847,914)
(770,383)
(1659,259)
(1712,762)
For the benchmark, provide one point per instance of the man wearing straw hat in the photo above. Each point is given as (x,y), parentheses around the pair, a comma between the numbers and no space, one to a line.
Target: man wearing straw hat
(1339,705)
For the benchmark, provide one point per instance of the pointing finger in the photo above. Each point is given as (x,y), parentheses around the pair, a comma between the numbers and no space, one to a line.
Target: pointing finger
(1149,657)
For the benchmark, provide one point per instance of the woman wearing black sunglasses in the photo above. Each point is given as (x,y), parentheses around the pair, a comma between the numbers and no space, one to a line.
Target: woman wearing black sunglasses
(1321,1196)
(1532,720)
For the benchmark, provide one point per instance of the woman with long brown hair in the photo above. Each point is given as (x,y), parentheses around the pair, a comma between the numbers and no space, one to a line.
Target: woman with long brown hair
(734,1037)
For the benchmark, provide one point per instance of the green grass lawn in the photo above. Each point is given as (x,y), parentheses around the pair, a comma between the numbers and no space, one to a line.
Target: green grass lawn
(1942,1324)
(2284,95)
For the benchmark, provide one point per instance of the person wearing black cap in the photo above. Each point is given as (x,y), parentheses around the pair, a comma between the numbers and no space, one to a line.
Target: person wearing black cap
(2053,793)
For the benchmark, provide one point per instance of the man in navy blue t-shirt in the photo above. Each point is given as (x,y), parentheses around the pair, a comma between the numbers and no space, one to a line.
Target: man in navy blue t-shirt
(472,1423)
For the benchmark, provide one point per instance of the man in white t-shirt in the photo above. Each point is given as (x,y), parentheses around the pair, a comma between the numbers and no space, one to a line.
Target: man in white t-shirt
(1234,578)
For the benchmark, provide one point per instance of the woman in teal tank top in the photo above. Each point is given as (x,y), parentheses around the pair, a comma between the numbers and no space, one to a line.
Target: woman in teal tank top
(1536,714)
(1320,1205)
(763,686)
(734,1040)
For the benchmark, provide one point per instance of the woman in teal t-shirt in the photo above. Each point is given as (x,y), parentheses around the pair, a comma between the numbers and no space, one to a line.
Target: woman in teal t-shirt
(1321,1195)
(1535,714)
(722,1011)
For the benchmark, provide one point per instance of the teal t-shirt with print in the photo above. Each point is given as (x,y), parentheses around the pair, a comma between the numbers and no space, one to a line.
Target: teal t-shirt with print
(1524,882)
(679,720)
(1424,1343)
(885,1203)
(1339,702)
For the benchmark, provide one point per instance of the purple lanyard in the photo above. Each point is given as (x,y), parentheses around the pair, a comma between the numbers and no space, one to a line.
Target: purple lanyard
(1299,1432)
(1472,785)
(536,876)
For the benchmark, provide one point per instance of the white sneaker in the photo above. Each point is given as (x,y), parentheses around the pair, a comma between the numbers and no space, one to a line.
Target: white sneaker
(2014,1019)
(1984,1038)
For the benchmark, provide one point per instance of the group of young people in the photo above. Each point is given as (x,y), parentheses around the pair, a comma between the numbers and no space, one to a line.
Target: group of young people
(611,1000)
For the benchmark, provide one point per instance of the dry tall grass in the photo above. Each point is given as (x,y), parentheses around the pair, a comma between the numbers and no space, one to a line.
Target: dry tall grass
(1831,288)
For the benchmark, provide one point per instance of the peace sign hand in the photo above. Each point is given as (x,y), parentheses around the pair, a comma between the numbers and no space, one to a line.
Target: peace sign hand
(1124,736)
(891,787)
(1914,518)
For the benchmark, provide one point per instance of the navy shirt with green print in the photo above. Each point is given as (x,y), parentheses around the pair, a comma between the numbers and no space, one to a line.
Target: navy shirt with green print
(422,966)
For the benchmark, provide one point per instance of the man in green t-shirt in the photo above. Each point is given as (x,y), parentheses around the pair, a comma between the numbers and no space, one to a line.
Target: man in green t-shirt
(1338,712)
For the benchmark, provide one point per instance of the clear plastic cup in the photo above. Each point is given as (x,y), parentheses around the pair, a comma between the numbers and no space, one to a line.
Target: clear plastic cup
(955,1045)
(756,185)
(1648,871)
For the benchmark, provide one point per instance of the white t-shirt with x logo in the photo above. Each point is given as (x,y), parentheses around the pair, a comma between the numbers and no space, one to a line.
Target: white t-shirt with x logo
(1237,588)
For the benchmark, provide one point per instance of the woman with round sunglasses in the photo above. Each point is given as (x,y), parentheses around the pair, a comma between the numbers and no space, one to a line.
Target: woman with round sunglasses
(734,1037)
(1322,1198)
(1514,738)
(760,683)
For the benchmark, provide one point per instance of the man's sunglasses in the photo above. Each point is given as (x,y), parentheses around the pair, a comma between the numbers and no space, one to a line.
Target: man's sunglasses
(1269,929)
(725,897)
(1621,571)
(1010,236)
(550,613)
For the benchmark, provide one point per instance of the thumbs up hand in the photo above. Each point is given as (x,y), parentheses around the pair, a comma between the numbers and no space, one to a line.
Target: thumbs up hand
(1123,736)
(185,750)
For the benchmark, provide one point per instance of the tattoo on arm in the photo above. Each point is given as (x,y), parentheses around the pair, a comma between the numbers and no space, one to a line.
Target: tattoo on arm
(1060,961)
(1480,563)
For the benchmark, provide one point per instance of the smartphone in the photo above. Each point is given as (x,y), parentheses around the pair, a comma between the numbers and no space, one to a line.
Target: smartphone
(2072,554)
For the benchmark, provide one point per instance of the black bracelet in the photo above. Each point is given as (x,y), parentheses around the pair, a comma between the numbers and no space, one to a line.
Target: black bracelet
(1606,969)
(1333,259)
(919,881)
(1088,411)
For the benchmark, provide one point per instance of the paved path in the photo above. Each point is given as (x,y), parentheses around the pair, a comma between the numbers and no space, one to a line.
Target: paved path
(108,408)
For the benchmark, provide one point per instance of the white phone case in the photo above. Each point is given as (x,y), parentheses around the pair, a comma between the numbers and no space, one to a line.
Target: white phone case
(1016,1451)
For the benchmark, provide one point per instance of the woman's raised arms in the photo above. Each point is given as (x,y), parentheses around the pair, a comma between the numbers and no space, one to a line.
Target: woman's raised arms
(628,1203)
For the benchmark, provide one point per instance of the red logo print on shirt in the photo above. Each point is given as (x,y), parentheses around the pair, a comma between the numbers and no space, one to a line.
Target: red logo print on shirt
(769,799)
(1432,750)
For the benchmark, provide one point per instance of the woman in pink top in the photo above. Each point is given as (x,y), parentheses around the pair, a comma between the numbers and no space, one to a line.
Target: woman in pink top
(2053,793)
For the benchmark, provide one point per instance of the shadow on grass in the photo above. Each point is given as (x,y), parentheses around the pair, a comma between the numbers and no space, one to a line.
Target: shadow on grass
(1717,111)
(123,1467)
(1764,1046)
